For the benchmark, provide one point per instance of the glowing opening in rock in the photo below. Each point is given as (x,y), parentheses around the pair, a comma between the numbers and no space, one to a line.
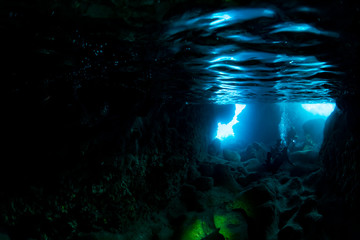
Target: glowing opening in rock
(322,109)
(226,130)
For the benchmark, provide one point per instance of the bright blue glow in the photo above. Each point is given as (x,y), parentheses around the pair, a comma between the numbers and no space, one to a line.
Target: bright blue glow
(226,130)
(221,18)
(301,27)
(217,20)
(226,66)
(244,38)
(306,9)
(225,58)
(322,109)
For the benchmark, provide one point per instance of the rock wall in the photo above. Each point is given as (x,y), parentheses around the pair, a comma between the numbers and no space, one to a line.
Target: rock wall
(99,171)
(340,151)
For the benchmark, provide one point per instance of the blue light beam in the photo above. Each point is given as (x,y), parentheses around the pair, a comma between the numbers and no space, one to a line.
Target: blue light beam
(322,109)
(226,130)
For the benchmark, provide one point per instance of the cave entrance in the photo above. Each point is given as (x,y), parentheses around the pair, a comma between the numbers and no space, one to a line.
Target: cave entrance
(272,136)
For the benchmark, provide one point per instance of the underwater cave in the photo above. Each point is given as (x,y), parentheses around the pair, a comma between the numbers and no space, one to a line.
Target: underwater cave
(180,120)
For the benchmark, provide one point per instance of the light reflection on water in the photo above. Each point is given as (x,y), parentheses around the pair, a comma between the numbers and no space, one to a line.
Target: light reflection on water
(230,49)
(301,27)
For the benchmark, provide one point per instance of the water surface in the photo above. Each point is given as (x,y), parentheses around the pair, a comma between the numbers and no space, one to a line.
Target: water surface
(255,54)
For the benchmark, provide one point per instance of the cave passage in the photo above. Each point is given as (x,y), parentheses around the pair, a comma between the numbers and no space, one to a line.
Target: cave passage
(180,120)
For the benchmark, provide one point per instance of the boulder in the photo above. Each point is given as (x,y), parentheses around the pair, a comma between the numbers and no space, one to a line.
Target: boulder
(253,201)
(255,150)
(292,187)
(231,155)
(257,195)
(247,179)
(305,162)
(304,157)
(223,177)
(286,215)
(259,210)
(254,165)
(291,231)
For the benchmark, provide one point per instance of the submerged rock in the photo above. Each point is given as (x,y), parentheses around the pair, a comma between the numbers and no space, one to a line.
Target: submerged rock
(291,231)
(305,162)
(231,155)
(254,165)
(255,150)
(304,157)
(257,195)
(224,177)
(286,215)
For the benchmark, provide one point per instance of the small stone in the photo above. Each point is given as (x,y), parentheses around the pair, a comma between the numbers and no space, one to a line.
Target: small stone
(314,216)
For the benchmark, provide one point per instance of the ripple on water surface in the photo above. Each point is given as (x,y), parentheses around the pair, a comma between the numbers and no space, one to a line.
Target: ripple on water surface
(255,54)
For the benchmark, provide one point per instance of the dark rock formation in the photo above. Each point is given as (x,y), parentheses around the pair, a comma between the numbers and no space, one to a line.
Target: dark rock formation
(215,147)
(103,173)
(340,150)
